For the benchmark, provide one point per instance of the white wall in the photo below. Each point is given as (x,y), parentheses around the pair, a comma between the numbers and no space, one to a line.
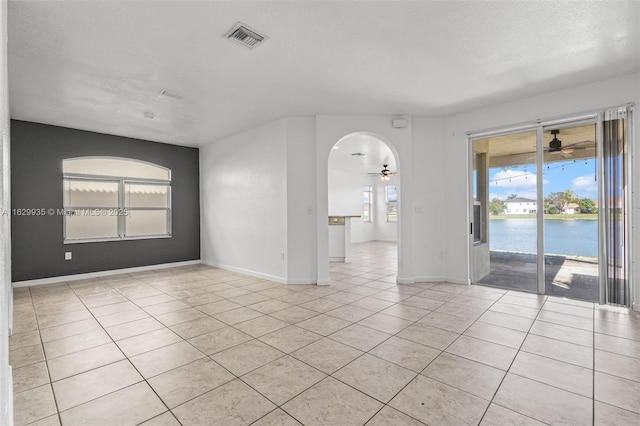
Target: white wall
(431,208)
(584,98)
(244,202)
(345,192)
(281,170)
(301,201)
(258,201)
(6,296)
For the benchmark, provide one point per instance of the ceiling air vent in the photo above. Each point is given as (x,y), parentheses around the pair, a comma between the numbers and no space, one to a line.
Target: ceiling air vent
(241,33)
(171,94)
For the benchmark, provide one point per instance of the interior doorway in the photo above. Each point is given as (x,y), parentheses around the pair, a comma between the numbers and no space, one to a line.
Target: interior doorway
(363,202)
(549,208)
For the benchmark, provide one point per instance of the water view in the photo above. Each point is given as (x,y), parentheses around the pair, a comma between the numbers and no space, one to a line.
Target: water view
(569,237)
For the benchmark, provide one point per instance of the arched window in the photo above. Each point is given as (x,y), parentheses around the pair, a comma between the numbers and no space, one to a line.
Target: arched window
(108,198)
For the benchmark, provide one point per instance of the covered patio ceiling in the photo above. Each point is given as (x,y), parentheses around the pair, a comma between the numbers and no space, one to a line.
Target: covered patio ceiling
(520,148)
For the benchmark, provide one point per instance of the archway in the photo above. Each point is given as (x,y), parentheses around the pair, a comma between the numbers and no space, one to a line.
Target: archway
(363,193)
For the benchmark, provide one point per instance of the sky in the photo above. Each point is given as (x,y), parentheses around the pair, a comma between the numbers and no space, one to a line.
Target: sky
(576,175)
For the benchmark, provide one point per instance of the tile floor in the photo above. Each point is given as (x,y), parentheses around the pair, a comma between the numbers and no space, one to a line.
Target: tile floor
(202,346)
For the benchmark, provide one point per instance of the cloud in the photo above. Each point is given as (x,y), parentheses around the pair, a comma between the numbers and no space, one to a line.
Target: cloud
(584,185)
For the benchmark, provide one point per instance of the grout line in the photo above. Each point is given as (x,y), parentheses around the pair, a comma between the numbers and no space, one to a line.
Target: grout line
(237,281)
(510,364)
(593,376)
(53,394)
(126,357)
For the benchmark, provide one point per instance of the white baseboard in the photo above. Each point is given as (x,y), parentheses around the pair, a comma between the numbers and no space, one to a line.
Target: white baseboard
(373,240)
(324,282)
(300,281)
(422,279)
(457,280)
(430,279)
(10,386)
(291,281)
(98,274)
(247,272)
(6,411)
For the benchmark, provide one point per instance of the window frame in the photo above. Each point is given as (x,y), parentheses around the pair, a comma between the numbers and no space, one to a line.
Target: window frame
(122,209)
(481,198)
(390,203)
(367,189)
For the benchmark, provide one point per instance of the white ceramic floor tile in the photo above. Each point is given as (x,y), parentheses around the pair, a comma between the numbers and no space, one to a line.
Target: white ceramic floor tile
(190,331)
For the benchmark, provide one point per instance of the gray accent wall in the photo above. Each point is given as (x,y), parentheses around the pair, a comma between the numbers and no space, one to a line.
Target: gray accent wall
(37,245)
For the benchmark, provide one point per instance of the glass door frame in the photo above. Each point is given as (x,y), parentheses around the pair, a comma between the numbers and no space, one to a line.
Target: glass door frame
(610,114)
(596,118)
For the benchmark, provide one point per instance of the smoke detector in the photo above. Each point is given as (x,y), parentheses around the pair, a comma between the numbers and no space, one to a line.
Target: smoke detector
(246,36)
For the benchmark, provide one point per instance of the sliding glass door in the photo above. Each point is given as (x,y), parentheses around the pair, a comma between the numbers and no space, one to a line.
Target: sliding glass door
(570,214)
(504,211)
(549,208)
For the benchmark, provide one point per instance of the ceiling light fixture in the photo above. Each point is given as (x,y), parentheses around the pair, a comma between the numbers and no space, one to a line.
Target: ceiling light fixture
(385,173)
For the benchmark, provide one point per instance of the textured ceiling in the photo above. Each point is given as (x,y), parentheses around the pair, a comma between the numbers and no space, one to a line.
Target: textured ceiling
(99,65)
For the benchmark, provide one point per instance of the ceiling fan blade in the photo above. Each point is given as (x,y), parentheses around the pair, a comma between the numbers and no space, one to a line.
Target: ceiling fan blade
(581,143)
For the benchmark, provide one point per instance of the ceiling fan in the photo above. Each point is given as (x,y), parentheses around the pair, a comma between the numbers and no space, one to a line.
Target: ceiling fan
(385,173)
(555,145)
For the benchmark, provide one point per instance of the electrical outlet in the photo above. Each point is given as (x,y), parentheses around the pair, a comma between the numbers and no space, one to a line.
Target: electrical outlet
(67,255)
(441,255)
(282,255)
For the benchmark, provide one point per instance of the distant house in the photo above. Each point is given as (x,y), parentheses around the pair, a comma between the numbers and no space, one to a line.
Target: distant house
(521,205)
(571,208)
